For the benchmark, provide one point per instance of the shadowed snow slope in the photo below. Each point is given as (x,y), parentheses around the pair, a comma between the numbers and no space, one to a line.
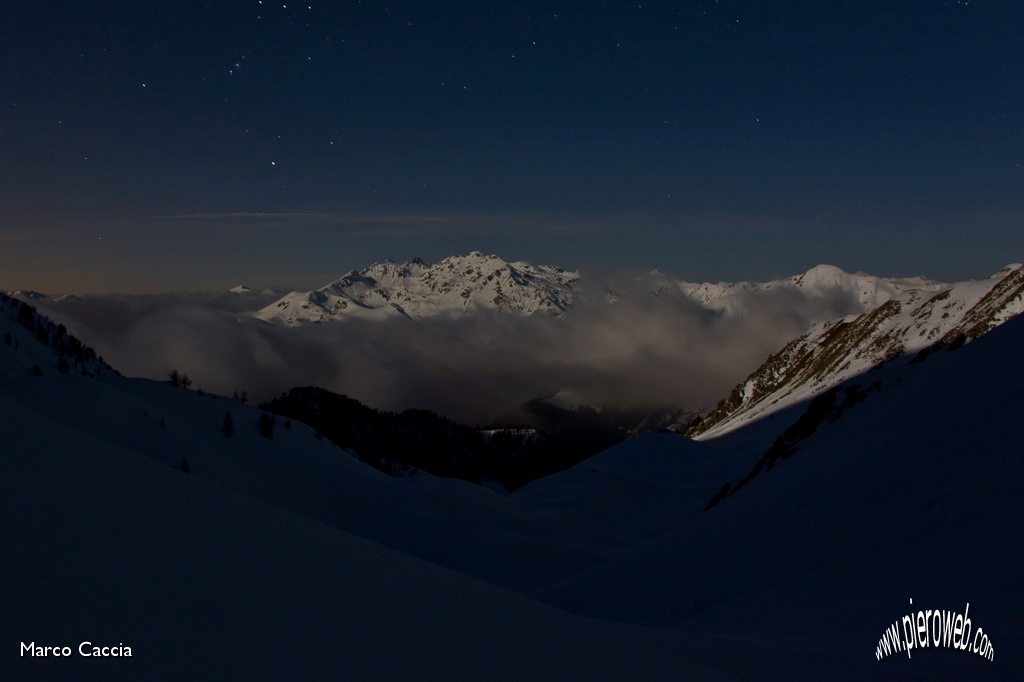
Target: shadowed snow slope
(913,493)
(249,565)
(107,547)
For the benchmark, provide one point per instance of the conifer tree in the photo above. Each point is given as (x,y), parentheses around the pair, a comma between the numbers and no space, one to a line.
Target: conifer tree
(228,426)
(267,422)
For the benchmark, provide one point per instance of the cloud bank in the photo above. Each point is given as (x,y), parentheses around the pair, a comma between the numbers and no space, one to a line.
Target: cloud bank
(642,352)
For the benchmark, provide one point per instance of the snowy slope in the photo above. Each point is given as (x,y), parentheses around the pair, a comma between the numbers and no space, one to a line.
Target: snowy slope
(30,343)
(108,547)
(839,349)
(243,567)
(912,493)
(453,286)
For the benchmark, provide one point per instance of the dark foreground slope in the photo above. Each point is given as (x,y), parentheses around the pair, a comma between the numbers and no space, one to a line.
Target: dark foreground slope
(247,566)
(913,492)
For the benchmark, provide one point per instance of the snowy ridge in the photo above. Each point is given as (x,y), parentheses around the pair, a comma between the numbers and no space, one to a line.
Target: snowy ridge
(26,295)
(869,291)
(830,353)
(417,289)
(465,284)
(30,344)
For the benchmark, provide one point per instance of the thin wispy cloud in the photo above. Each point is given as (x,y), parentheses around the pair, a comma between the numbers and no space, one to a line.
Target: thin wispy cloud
(314,217)
(452,221)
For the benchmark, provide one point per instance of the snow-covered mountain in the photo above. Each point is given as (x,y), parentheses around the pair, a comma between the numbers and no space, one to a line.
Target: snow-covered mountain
(417,289)
(284,557)
(910,321)
(476,282)
(26,295)
(868,291)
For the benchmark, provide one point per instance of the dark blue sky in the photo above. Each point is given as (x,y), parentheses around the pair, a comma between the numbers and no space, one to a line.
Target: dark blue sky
(184,145)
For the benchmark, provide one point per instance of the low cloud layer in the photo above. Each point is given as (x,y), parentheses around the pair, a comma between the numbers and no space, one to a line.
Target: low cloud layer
(644,351)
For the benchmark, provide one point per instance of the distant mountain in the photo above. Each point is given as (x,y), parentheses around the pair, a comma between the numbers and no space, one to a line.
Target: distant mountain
(240,289)
(26,295)
(417,289)
(868,291)
(475,282)
(913,321)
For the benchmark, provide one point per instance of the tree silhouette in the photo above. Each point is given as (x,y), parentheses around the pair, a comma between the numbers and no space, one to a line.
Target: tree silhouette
(179,379)
(228,426)
(267,422)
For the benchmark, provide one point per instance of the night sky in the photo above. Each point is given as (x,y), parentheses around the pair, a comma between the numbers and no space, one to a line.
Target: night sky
(182,145)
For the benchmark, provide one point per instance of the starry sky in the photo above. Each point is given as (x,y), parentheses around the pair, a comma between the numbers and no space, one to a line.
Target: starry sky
(157,146)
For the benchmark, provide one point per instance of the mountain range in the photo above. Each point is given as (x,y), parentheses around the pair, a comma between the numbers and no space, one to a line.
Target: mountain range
(868,291)
(475,283)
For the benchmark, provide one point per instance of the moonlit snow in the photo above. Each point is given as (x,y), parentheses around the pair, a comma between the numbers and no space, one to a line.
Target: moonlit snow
(286,558)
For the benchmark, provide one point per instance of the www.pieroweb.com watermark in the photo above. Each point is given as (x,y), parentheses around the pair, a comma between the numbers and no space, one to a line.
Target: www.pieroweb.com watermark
(935,628)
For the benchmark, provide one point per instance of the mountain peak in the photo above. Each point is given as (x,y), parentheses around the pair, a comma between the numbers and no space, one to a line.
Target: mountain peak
(27,295)
(910,326)
(455,285)
(824,274)
(826,269)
